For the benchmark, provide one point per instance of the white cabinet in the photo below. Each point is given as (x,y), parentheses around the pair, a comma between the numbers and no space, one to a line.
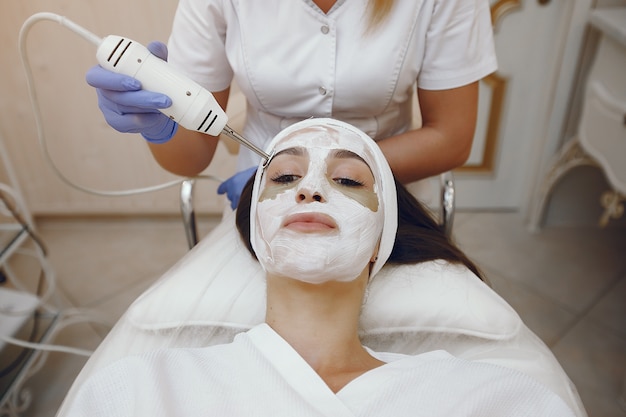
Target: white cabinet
(602,131)
(601,135)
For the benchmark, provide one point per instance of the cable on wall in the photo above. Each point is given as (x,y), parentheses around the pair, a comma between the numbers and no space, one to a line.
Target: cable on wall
(92,38)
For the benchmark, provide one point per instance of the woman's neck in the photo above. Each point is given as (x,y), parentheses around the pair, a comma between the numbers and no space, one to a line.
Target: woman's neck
(325,5)
(320,321)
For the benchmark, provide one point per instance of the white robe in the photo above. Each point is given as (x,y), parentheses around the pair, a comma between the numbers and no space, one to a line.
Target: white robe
(260,374)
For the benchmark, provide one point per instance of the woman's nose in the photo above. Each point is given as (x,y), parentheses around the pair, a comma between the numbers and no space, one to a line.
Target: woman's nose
(307,196)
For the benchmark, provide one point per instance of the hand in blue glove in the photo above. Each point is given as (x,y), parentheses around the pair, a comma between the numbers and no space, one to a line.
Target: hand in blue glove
(129,109)
(233,186)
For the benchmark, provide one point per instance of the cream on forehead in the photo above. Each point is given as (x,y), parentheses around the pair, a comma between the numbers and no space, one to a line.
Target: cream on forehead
(326,137)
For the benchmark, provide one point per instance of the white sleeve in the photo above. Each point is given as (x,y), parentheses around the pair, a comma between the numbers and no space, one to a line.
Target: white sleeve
(459,45)
(197,43)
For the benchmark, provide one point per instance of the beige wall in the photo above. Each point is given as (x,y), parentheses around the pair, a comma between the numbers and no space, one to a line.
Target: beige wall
(82,145)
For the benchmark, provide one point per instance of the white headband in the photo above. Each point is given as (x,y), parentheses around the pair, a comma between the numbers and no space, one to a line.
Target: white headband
(372,155)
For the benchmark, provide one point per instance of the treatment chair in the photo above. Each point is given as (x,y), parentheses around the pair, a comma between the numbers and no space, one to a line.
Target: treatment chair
(217,290)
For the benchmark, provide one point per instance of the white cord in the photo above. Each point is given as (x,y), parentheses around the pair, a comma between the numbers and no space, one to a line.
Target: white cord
(16,209)
(4,209)
(50,278)
(45,347)
(84,33)
(72,316)
(67,318)
(63,21)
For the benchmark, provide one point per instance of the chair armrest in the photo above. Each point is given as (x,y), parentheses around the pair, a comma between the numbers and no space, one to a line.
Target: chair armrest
(187,211)
(447,202)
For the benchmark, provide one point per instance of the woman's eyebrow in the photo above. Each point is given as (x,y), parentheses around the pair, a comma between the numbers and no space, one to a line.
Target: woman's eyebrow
(297,151)
(344,153)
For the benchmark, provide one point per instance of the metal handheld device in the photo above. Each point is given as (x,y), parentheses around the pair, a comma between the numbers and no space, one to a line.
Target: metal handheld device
(193,107)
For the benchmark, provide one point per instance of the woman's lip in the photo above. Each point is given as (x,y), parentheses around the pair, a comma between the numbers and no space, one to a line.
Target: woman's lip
(310,222)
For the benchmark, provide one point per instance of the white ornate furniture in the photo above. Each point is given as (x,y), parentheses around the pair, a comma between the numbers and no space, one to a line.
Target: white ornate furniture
(22,314)
(601,137)
(31,314)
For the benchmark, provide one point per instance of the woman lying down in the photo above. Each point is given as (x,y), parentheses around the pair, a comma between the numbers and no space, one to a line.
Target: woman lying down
(321,217)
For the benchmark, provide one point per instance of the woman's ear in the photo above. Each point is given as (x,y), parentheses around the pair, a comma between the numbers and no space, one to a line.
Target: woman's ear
(374,257)
(373,260)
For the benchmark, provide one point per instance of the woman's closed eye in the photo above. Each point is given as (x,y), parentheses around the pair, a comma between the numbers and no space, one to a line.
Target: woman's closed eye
(284,178)
(348,182)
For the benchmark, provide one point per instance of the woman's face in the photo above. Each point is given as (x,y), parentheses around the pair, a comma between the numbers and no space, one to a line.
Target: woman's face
(317,214)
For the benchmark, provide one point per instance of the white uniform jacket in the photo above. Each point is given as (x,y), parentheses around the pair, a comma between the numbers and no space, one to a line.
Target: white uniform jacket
(292,61)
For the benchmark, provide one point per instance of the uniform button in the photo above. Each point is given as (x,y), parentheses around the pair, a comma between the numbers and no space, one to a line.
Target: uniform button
(322,91)
(325,29)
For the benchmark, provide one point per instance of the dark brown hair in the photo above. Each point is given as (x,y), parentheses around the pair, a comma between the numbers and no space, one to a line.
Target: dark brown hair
(419,237)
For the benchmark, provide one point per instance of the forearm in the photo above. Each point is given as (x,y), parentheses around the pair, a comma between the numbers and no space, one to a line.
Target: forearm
(443,142)
(423,153)
(189,152)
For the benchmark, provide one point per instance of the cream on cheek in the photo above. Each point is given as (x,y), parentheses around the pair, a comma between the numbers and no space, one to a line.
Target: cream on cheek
(339,254)
(365,196)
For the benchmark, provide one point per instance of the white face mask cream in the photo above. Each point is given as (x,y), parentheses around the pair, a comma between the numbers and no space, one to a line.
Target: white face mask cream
(318,216)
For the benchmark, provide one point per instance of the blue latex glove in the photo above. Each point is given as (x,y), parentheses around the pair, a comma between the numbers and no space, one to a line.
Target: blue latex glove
(233,186)
(129,109)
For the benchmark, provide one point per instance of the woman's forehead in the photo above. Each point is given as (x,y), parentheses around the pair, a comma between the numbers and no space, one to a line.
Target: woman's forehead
(326,153)
(342,143)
